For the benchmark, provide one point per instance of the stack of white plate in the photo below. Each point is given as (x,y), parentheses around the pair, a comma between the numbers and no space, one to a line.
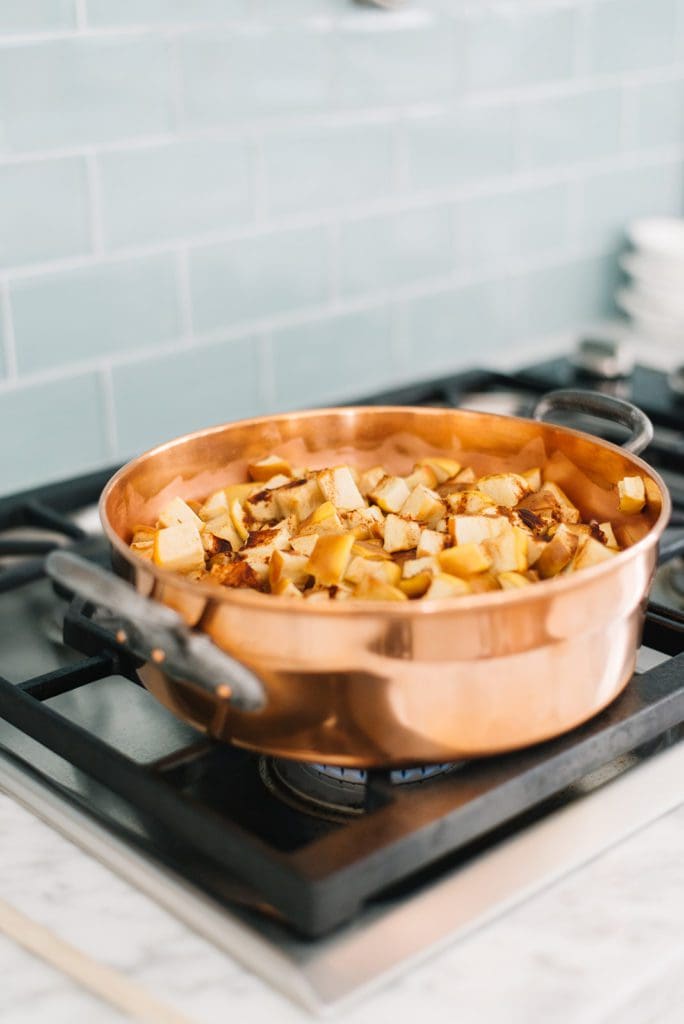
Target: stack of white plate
(654,296)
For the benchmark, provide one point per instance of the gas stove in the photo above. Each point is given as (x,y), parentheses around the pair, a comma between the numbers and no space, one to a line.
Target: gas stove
(325,879)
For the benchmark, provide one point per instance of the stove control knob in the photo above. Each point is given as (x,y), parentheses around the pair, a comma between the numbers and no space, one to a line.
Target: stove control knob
(603,358)
(676,381)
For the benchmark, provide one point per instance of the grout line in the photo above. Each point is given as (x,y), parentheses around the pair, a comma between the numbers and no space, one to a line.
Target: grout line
(9,341)
(521,181)
(94,203)
(109,409)
(184,291)
(313,314)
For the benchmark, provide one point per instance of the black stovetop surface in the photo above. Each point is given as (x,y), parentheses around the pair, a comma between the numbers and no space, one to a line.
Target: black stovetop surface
(213,814)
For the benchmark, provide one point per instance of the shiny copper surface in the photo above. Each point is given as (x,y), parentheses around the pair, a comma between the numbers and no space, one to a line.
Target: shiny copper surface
(374,683)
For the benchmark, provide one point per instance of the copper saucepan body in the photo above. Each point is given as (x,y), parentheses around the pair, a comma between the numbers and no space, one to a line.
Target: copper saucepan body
(367,683)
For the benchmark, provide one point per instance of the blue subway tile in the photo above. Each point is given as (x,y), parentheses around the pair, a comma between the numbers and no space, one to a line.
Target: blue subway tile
(36,15)
(164,396)
(571,295)
(334,359)
(508,47)
(660,114)
(43,211)
(327,167)
(472,144)
(237,75)
(611,200)
(174,190)
(395,250)
(60,427)
(496,231)
(632,34)
(83,90)
(252,278)
(94,311)
(162,12)
(570,129)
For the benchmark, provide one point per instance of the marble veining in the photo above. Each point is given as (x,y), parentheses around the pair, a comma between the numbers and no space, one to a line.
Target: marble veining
(602,946)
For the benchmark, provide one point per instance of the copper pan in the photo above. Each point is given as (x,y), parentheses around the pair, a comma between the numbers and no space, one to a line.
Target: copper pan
(383,684)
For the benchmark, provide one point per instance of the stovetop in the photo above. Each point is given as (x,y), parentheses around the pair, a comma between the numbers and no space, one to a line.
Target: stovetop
(246,844)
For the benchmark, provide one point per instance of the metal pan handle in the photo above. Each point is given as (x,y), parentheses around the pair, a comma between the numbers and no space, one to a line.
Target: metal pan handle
(607,407)
(156,633)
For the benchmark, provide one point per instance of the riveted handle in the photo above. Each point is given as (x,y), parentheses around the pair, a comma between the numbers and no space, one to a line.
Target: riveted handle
(605,407)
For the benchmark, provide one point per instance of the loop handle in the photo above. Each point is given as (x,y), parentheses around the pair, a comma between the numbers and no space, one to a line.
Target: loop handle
(605,407)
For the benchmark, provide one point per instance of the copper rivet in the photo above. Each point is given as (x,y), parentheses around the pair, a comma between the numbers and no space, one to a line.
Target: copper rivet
(121,636)
(158,655)
(224,691)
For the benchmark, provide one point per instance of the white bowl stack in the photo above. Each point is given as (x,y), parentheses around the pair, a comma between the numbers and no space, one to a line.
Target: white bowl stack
(654,297)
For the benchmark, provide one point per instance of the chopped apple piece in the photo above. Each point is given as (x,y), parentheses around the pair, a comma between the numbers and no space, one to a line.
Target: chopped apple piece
(285,588)
(464,560)
(508,551)
(224,528)
(371,589)
(632,494)
(370,479)
(338,486)
(323,520)
(591,552)
(400,534)
(330,557)
(444,469)
(466,476)
(416,586)
(286,566)
(505,489)
(423,505)
(143,534)
(299,497)
(371,549)
(557,553)
(444,585)
(470,502)
(483,583)
(268,539)
(365,522)
(551,499)
(430,543)
(513,581)
(237,574)
(240,491)
(473,529)
(535,547)
(390,494)
(359,568)
(143,549)
(237,514)
(265,469)
(412,566)
(263,505)
(216,505)
(179,548)
(178,513)
(304,545)
(533,477)
(421,475)
(610,539)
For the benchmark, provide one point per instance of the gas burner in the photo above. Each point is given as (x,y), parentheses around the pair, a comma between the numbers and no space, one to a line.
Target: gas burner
(332,792)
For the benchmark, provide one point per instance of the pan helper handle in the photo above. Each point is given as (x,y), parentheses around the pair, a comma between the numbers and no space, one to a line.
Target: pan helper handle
(605,407)
(156,633)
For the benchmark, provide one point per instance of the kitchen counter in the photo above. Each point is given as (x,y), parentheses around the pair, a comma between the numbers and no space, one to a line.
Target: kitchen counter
(605,944)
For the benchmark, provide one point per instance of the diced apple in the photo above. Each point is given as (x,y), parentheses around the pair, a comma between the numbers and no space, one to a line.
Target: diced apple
(265,469)
(610,540)
(535,547)
(466,476)
(423,505)
(224,528)
(143,534)
(365,522)
(513,581)
(400,534)
(416,585)
(533,477)
(330,557)
(285,588)
(143,549)
(484,583)
(179,513)
(216,505)
(508,551)
(444,585)
(237,514)
(179,548)
(551,499)
(370,479)
(299,497)
(304,545)
(421,475)
(591,552)
(371,589)
(430,543)
(473,529)
(338,486)
(464,560)
(359,568)
(413,566)
(285,566)
(238,574)
(443,468)
(371,549)
(505,489)
(390,494)
(262,506)
(322,520)
(632,494)
(470,502)
(558,553)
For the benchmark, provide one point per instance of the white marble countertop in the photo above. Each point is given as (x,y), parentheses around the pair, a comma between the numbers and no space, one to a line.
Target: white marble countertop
(602,946)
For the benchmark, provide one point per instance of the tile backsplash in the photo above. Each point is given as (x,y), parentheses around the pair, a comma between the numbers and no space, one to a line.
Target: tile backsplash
(219,208)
